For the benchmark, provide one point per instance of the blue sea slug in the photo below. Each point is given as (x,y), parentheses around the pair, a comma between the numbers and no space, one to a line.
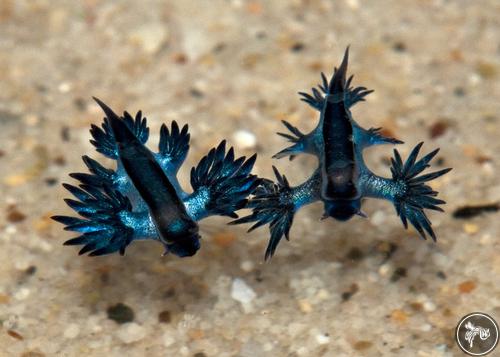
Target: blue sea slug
(142,198)
(342,180)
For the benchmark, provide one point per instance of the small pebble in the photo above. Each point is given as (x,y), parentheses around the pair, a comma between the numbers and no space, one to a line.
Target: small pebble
(30,270)
(247,266)
(150,37)
(483,159)
(378,218)
(59,160)
(305,306)
(486,70)
(441,260)
(323,294)
(384,269)
(459,91)
(429,306)
(195,334)
(346,295)
(470,228)
(355,254)
(441,275)
(297,47)
(399,46)
(4,299)
(485,239)
(168,339)
(131,332)
(362,345)
(45,246)
(241,292)
(302,351)
(267,347)
(93,324)
(439,128)
(11,322)
(398,274)
(15,335)
(165,317)
(399,316)
(22,294)
(15,216)
(488,168)
(23,263)
(245,140)
(31,119)
(353,4)
(184,351)
(64,133)
(426,327)
(196,93)
(120,313)
(353,289)
(10,230)
(416,306)
(224,239)
(388,249)
(51,181)
(64,87)
(442,347)
(474,79)
(323,338)
(179,58)
(81,105)
(72,331)
(466,286)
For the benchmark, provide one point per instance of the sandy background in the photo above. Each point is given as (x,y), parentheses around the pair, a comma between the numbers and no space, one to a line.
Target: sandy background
(364,288)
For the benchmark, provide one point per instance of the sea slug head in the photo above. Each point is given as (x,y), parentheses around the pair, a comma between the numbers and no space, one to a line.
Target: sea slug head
(183,239)
(342,210)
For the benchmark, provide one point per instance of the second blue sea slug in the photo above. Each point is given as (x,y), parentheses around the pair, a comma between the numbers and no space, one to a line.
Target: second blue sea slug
(342,180)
